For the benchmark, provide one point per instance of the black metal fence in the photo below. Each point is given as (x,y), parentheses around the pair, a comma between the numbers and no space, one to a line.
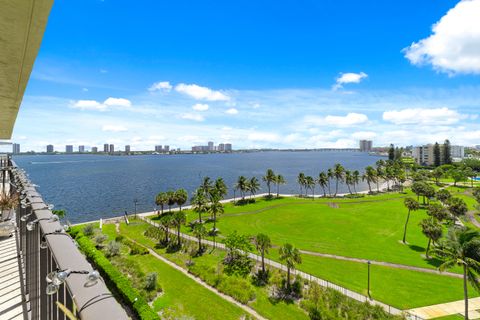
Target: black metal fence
(56,276)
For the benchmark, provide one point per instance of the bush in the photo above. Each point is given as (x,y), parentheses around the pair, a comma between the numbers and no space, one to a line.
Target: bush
(151,281)
(154,233)
(238,288)
(88,230)
(119,238)
(116,280)
(99,239)
(112,249)
(135,248)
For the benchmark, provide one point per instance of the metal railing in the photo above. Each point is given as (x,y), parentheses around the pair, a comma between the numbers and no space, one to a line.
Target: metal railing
(44,250)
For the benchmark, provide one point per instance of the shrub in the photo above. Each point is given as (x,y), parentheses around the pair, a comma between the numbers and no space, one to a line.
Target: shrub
(151,281)
(238,288)
(154,233)
(135,248)
(117,280)
(112,249)
(88,230)
(119,238)
(99,239)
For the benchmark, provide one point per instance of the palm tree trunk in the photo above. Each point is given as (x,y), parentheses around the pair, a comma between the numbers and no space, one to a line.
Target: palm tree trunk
(465,290)
(329,191)
(278,190)
(336,188)
(288,279)
(428,248)
(349,190)
(268,185)
(354,188)
(263,262)
(405,229)
(178,235)
(199,243)
(369,187)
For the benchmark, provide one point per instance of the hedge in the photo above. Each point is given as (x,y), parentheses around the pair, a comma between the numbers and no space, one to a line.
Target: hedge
(122,285)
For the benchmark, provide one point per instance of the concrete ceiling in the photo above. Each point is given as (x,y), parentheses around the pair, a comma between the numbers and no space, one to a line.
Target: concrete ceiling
(22,24)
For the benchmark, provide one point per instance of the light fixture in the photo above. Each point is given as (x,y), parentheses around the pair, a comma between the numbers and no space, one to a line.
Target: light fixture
(59,232)
(56,278)
(31,225)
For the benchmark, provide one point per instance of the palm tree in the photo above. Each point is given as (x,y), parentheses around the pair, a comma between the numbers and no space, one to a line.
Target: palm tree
(166,223)
(330,175)
(181,196)
(206,185)
(355,179)
(323,182)
(170,199)
(310,184)
(348,180)
(199,203)
(178,218)
(461,247)
(220,188)
(301,181)
(432,230)
(338,172)
(215,208)
(161,200)
(242,186)
(262,243)
(412,205)
(291,256)
(269,178)
(199,232)
(279,180)
(370,176)
(253,186)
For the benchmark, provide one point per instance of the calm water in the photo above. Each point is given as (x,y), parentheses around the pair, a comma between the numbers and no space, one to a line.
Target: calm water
(93,186)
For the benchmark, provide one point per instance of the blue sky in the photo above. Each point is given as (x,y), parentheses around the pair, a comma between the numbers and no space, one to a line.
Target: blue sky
(284,74)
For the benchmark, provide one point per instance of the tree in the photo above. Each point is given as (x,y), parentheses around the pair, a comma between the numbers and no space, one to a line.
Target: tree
(178,218)
(461,248)
(355,180)
(391,152)
(348,180)
(432,230)
(339,173)
(280,180)
(323,182)
(476,194)
(310,185)
(219,188)
(199,232)
(412,205)
(269,178)
(437,211)
(199,203)
(262,243)
(330,176)
(253,186)
(181,196)
(457,174)
(443,195)
(161,200)
(216,208)
(206,186)
(301,181)
(236,260)
(437,159)
(166,222)
(447,153)
(370,176)
(241,185)
(437,174)
(469,173)
(291,256)
(398,153)
(170,199)
(457,207)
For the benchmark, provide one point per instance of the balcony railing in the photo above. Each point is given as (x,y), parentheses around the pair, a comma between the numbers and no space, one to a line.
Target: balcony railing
(45,250)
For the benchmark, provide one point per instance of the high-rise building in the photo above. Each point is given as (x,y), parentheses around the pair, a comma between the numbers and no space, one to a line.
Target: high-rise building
(166,148)
(105,148)
(424,155)
(221,147)
(112,148)
(69,148)
(127,149)
(228,147)
(366,145)
(50,148)
(94,149)
(210,146)
(15,148)
(81,149)
(158,148)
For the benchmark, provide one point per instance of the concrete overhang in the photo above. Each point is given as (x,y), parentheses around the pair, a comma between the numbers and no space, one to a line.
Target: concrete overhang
(22,24)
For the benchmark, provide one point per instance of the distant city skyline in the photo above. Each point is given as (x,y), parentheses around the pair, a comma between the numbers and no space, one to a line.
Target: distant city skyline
(268,86)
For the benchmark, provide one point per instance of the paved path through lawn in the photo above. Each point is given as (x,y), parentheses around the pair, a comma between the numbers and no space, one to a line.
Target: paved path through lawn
(447,309)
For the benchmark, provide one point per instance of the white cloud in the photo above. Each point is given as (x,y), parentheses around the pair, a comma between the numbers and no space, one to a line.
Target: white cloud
(360,135)
(454,46)
(351,119)
(85,89)
(114,128)
(200,107)
(118,102)
(232,111)
(164,86)
(263,136)
(192,116)
(88,105)
(201,93)
(349,77)
(438,116)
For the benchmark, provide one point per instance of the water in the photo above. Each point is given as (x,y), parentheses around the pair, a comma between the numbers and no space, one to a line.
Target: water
(90,187)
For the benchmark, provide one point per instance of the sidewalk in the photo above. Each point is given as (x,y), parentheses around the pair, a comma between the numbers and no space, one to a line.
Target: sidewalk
(447,309)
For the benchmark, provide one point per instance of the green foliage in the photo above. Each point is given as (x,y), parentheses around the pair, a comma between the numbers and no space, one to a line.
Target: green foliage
(116,280)
(99,239)
(238,288)
(88,230)
(443,195)
(236,261)
(112,249)
(457,207)
(151,281)
(154,233)
(134,247)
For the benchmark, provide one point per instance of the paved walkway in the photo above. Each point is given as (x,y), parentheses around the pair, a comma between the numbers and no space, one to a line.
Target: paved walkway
(447,309)
(306,276)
